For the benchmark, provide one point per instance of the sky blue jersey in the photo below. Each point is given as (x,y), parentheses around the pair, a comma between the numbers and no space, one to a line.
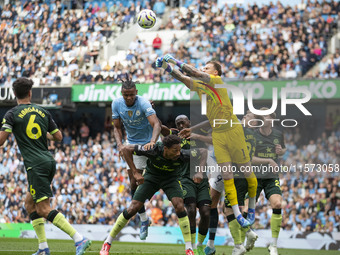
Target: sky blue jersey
(134,118)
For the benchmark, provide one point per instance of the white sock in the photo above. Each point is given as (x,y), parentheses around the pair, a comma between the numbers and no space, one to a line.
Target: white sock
(109,239)
(199,244)
(211,243)
(143,216)
(77,237)
(188,245)
(194,246)
(237,245)
(236,210)
(252,201)
(43,246)
(274,239)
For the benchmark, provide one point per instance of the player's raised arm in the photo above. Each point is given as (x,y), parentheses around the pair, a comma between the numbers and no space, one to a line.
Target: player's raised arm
(205,125)
(203,138)
(117,127)
(117,132)
(186,132)
(3,137)
(160,63)
(6,127)
(155,123)
(53,133)
(165,131)
(168,131)
(280,149)
(188,69)
(202,155)
(156,129)
(57,136)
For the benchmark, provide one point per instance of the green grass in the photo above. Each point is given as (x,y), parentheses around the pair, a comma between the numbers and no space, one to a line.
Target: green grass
(11,246)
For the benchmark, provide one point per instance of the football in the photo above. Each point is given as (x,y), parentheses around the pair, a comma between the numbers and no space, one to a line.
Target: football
(146,19)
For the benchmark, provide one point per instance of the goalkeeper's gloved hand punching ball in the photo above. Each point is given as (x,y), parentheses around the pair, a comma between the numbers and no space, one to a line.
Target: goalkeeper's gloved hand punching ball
(160,63)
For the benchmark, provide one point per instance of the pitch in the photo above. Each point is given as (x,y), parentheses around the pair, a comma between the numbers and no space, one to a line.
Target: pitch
(9,246)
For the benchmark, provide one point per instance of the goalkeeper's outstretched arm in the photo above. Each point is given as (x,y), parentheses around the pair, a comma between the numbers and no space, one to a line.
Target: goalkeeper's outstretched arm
(188,69)
(195,73)
(187,80)
(182,78)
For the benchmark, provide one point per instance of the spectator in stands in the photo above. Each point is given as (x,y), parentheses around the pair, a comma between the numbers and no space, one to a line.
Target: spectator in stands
(157,43)
(99,78)
(97,67)
(8,83)
(291,73)
(323,65)
(159,8)
(333,73)
(84,132)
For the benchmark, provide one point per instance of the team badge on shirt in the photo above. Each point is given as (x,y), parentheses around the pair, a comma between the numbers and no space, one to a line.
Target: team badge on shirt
(137,112)
(193,153)
(130,113)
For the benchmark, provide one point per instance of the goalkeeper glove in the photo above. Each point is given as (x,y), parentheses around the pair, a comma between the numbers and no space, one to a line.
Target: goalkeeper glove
(160,63)
(168,58)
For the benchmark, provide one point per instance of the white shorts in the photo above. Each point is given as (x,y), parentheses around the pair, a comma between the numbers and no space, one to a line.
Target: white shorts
(139,161)
(215,177)
(217,183)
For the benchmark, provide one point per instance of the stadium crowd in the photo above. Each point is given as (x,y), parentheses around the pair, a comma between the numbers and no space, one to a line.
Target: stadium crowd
(265,42)
(51,43)
(47,42)
(91,184)
(329,69)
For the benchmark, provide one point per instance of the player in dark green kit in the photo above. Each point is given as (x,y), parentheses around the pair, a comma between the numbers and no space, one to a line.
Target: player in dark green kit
(162,172)
(269,146)
(196,194)
(32,125)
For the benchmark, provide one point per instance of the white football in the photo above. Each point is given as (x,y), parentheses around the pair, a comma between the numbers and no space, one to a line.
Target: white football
(146,19)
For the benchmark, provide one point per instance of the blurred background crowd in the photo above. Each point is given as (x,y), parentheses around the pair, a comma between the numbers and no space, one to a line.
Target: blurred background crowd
(52,43)
(57,43)
(91,184)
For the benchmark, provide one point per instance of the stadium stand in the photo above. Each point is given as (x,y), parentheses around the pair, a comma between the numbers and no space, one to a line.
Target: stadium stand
(51,44)
(55,45)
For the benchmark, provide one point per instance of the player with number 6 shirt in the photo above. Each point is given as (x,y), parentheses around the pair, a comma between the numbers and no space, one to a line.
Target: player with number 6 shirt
(32,125)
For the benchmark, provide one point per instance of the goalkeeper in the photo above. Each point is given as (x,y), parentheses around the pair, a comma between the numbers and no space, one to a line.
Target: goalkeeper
(228,140)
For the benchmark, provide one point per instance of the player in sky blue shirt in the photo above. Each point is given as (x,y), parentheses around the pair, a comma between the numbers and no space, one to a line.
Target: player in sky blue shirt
(142,127)
(135,119)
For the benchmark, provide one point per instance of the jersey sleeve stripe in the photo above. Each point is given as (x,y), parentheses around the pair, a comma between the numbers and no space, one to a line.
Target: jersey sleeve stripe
(42,199)
(7,126)
(54,131)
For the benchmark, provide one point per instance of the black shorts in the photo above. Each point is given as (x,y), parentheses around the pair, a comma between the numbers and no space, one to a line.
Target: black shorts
(39,180)
(270,186)
(152,183)
(195,192)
